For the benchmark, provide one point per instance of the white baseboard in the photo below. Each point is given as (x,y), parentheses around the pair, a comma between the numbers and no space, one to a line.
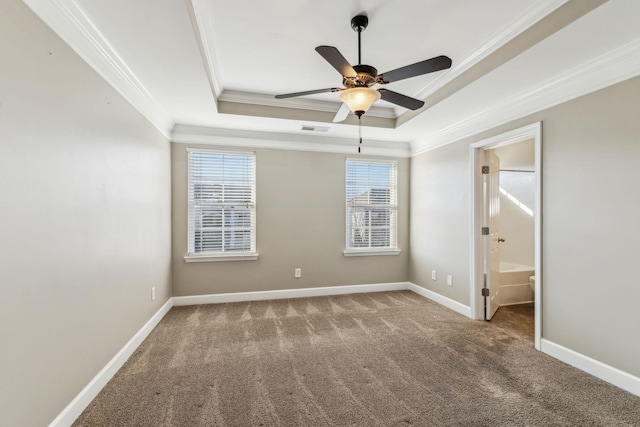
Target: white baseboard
(288,293)
(442,300)
(82,400)
(598,369)
(517,303)
(515,293)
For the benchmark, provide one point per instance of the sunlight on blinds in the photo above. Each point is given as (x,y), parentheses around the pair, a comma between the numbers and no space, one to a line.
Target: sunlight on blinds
(222,208)
(371,204)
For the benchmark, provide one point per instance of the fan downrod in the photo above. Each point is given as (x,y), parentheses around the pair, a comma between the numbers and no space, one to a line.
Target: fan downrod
(359,23)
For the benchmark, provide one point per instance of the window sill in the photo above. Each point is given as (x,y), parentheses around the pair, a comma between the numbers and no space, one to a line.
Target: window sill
(250,256)
(371,252)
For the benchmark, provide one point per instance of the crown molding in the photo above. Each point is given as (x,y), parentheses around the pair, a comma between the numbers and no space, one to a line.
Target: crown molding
(285,141)
(71,23)
(613,67)
(538,11)
(296,103)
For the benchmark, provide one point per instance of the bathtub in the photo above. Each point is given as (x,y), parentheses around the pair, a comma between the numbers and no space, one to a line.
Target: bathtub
(514,283)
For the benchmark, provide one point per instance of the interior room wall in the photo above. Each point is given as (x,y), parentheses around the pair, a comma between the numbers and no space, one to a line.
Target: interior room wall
(84,221)
(590,153)
(439,217)
(517,227)
(300,212)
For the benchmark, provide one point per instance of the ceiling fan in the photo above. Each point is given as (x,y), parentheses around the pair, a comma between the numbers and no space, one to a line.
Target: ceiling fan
(357,94)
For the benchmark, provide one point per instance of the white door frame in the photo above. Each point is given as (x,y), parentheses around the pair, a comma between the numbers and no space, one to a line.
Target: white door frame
(534,131)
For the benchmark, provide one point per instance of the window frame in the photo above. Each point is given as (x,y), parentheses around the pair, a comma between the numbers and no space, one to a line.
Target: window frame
(223,255)
(392,207)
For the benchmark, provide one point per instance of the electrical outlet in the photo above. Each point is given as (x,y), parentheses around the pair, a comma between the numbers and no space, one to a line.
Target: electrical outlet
(434,276)
(297,273)
(449,280)
(153,293)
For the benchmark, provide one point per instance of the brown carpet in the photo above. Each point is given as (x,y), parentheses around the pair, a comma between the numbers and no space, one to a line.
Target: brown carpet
(380,359)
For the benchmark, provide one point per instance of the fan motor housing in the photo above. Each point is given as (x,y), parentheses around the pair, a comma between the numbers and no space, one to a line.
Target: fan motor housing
(366,76)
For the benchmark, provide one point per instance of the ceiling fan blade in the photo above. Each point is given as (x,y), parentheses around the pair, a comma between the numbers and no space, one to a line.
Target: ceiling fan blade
(342,113)
(337,61)
(400,99)
(308,92)
(424,67)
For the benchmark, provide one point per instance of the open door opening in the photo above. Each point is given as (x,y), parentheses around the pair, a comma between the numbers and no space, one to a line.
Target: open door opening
(490,286)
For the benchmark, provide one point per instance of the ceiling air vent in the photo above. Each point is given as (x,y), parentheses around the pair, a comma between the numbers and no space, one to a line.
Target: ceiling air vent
(315,128)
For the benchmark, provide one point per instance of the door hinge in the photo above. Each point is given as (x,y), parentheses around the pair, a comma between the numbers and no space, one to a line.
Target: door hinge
(485,292)
(485,231)
(485,170)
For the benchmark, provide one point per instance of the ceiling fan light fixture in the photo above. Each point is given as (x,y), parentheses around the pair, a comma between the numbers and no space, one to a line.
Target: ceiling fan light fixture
(358,79)
(359,99)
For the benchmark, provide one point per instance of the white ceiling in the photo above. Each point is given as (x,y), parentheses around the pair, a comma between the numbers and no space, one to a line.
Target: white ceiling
(211,67)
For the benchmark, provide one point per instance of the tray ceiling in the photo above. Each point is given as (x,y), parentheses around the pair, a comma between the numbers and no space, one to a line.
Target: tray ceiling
(211,67)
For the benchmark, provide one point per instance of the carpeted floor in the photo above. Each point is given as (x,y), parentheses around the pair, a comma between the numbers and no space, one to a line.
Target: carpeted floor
(518,319)
(381,359)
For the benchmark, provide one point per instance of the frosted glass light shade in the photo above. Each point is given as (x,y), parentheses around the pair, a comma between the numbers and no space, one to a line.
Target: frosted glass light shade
(359,98)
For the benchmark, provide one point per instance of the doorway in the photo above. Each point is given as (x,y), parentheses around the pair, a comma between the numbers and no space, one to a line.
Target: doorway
(484,292)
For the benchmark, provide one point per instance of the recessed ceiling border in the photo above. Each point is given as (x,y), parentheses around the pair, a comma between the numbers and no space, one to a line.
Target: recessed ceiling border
(203,27)
(538,11)
(186,134)
(297,103)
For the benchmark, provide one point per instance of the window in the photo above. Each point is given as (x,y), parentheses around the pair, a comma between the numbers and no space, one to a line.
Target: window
(371,207)
(222,205)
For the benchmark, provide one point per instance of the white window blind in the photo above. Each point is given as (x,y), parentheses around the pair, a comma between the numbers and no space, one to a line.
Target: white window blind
(222,202)
(371,204)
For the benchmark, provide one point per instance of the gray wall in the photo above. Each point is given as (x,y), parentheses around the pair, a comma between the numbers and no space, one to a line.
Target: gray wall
(591,153)
(440,223)
(300,223)
(84,221)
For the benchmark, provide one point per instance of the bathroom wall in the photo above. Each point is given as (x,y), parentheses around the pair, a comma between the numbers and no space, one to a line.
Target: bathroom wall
(517,225)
